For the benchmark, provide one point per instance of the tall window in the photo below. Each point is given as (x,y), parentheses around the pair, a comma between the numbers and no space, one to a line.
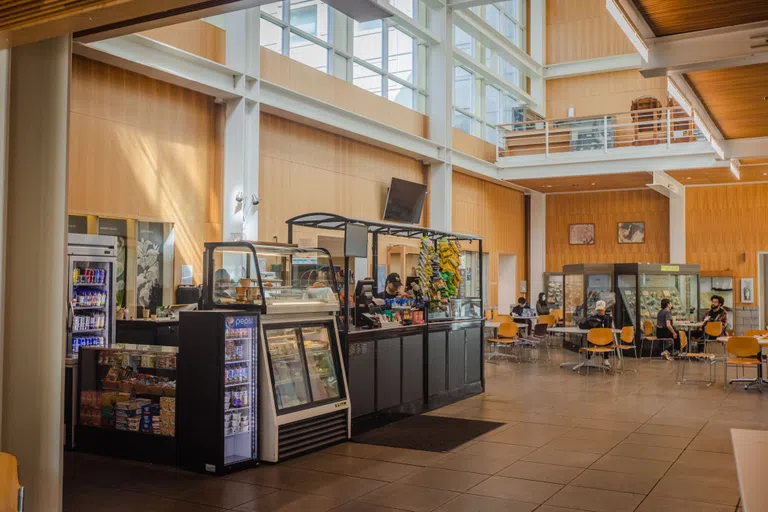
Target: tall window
(368,43)
(271,36)
(462,89)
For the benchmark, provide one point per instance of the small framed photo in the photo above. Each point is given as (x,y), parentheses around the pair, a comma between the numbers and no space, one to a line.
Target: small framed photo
(631,232)
(581,234)
(747,290)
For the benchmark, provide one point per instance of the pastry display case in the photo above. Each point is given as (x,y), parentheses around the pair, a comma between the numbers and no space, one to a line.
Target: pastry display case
(275,278)
(583,286)
(642,286)
(553,287)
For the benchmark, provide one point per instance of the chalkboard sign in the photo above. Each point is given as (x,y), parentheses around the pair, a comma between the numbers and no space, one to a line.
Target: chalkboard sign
(113,227)
(78,224)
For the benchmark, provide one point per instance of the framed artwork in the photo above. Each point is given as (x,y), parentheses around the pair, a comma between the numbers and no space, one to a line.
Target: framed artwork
(631,232)
(581,234)
(747,289)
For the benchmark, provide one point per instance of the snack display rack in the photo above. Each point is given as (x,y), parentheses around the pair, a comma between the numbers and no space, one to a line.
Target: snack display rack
(218,379)
(126,402)
(553,287)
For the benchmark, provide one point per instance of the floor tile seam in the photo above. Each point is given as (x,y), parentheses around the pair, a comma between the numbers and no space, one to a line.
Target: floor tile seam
(461,470)
(581,470)
(517,499)
(371,459)
(399,481)
(659,480)
(603,489)
(331,472)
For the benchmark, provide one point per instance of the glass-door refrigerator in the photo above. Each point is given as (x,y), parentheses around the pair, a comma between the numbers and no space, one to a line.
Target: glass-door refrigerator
(307,387)
(218,376)
(92,263)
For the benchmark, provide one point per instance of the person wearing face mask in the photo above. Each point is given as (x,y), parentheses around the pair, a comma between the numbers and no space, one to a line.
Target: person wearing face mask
(541,305)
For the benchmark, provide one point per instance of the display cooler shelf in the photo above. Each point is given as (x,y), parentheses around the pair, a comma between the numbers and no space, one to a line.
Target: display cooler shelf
(90,284)
(239,361)
(231,409)
(237,434)
(234,385)
(237,339)
(86,331)
(86,308)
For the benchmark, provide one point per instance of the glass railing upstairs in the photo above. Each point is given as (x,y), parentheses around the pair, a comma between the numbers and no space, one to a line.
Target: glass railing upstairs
(649,127)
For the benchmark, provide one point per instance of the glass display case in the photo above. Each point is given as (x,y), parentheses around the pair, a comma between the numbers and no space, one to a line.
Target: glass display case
(126,402)
(553,287)
(463,309)
(642,286)
(716,283)
(272,278)
(583,286)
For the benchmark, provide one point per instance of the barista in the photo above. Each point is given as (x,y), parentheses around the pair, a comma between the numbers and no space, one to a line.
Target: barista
(393,288)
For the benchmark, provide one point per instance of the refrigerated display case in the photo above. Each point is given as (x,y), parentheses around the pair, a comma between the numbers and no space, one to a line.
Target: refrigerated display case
(126,402)
(642,286)
(584,285)
(553,287)
(716,283)
(303,387)
(218,383)
(91,306)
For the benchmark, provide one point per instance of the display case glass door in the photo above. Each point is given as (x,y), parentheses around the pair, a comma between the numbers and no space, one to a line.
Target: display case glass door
(599,288)
(627,285)
(240,360)
(574,299)
(320,363)
(289,377)
(91,303)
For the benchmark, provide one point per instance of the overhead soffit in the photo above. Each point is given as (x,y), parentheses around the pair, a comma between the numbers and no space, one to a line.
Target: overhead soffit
(735,98)
(668,17)
(587,183)
(720,175)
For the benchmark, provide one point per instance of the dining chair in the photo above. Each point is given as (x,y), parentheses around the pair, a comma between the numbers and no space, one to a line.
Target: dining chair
(534,340)
(686,356)
(599,341)
(507,337)
(746,351)
(11,490)
(558,314)
(627,340)
(648,336)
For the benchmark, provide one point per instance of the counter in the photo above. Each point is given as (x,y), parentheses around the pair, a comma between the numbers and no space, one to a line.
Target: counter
(148,332)
(404,370)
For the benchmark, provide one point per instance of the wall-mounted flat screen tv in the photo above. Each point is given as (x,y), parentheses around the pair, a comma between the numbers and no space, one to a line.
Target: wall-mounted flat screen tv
(405,200)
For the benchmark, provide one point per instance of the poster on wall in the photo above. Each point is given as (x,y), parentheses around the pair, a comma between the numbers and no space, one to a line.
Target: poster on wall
(631,232)
(581,234)
(149,272)
(747,290)
(119,229)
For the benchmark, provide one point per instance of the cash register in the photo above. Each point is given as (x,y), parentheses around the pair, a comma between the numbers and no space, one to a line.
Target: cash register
(366,305)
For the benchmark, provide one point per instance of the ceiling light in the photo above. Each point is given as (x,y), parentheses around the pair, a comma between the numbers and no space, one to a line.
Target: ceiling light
(548,186)
(765,174)
(735,164)
(688,177)
(593,183)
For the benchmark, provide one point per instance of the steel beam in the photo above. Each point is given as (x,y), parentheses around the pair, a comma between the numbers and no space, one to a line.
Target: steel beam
(593,66)
(408,25)
(756,147)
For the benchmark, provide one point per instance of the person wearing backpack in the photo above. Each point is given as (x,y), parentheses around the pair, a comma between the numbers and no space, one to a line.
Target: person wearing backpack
(600,318)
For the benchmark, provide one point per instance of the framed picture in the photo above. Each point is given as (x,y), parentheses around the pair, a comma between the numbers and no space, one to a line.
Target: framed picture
(581,234)
(747,289)
(631,232)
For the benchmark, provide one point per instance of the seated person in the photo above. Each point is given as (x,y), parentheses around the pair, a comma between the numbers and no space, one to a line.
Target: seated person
(522,305)
(393,287)
(542,308)
(664,328)
(716,313)
(600,318)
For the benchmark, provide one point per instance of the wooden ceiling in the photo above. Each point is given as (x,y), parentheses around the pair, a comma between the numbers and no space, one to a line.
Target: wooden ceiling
(720,175)
(587,183)
(667,17)
(735,98)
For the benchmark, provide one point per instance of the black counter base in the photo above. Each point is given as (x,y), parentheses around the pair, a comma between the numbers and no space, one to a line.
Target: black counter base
(126,445)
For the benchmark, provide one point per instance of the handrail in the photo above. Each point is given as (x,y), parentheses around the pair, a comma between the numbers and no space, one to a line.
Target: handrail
(644,127)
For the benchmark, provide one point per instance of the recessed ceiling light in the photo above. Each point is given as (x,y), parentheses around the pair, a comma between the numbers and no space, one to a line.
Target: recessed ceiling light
(592,183)
(688,177)
(548,186)
(765,174)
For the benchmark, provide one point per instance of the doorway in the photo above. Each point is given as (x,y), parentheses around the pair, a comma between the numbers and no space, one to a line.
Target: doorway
(507,282)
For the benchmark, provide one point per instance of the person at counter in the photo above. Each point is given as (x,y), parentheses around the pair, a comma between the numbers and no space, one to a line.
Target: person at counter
(541,305)
(665,330)
(393,287)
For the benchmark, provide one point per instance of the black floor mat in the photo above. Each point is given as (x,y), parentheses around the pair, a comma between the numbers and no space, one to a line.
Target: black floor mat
(430,433)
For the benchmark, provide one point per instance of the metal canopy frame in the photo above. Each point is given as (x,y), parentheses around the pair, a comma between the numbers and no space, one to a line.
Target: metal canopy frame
(337,222)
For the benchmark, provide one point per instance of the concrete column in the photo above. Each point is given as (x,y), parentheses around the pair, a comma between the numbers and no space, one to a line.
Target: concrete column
(538,31)
(677,227)
(440,111)
(234,170)
(537,252)
(35,248)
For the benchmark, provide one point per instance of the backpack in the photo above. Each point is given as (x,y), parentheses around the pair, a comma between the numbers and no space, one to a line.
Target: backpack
(590,322)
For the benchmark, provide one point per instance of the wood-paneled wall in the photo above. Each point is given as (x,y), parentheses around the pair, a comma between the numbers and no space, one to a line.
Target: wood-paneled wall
(581,30)
(725,228)
(144,149)
(304,169)
(603,93)
(496,213)
(303,79)
(605,210)
(474,146)
(196,37)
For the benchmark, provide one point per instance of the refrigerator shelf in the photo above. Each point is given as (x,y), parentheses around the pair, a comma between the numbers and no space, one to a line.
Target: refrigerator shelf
(237,408)
(236,361)
(89,284)
(85,308)
(237,434)
(84,331)
(237,339)
(227,386)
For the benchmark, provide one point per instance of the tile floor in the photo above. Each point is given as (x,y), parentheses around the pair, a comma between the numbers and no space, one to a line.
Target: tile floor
(604,443)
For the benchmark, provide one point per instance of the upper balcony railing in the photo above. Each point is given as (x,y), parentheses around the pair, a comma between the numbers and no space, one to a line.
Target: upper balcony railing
(650,127)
